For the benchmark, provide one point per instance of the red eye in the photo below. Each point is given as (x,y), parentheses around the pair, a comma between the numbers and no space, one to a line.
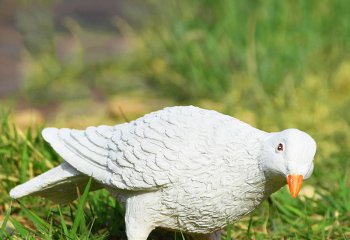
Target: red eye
(280,147)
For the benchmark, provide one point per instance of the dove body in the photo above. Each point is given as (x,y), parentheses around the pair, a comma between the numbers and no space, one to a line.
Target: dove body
(180,168)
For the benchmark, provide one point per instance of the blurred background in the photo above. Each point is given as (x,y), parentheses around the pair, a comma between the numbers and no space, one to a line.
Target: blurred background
(274,64)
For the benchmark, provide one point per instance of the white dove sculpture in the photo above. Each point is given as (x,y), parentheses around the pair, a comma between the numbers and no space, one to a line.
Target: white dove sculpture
(180,168)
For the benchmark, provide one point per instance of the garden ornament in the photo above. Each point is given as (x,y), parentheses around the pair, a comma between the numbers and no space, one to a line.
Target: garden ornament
(180,168)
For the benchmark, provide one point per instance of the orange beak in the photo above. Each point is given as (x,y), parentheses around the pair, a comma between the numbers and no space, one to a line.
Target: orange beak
(294,184)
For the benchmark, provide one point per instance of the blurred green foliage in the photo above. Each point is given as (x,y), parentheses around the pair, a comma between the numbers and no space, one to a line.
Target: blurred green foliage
(275,64)
(196,49)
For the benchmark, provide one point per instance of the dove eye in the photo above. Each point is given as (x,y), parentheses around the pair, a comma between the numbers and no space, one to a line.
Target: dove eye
(280,147)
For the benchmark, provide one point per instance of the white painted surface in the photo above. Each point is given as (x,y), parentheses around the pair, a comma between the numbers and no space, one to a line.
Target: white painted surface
(182,168)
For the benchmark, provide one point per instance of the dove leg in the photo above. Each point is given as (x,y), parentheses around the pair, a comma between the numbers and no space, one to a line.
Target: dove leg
(138,220)
(211,236)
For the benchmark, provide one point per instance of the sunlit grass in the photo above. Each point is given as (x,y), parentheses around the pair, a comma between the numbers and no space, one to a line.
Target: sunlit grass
(274,65)
(322,213)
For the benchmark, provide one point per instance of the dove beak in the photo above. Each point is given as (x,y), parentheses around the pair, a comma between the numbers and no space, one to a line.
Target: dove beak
(294,184)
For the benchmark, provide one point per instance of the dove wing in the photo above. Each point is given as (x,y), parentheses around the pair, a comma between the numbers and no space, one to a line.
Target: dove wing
(86,151)
(136,156)
(151,152)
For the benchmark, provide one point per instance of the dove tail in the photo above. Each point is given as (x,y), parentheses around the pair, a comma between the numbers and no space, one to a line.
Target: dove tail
(85,154)
(60,184)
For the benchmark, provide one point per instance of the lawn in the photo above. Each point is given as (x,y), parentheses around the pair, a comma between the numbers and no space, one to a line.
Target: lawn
(272,64)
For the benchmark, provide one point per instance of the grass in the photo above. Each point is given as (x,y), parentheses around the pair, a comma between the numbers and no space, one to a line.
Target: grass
(322,214)
(274,65)
(202,49)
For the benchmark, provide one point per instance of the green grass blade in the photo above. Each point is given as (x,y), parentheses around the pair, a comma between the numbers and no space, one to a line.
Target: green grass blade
(80,212)
(90,229)
(50,228)
(4,234)
(7,216)
(24,165)
(20,228)
(295,211)
(63,224)
(29,134)
(3,230)
(182,235)
(38,222)
(249,232)
(228,232)
(15,132)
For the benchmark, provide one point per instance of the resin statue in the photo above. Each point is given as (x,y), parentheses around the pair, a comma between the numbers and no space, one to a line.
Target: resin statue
(180,168)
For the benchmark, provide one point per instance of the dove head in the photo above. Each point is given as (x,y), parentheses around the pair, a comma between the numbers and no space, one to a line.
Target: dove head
(289,154)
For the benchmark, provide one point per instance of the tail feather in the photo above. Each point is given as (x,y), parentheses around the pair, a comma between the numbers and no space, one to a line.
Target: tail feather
(60,184)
